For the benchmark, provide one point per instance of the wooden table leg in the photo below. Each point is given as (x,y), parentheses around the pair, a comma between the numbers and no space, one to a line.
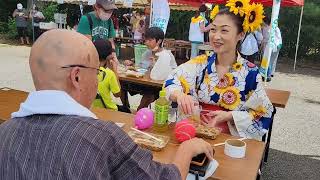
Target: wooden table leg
(266,153)
(124,95)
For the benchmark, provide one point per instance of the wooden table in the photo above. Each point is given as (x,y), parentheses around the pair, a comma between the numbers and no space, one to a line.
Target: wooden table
(229,168)
(10,100)
(279,98)
(127,82)
(145,80)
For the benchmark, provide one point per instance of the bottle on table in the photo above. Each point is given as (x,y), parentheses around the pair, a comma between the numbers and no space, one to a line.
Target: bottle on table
(162,109)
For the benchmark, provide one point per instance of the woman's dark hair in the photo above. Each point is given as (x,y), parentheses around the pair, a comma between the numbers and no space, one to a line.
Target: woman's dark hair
(203,8)
(154,33)
(267,20)
(238,21)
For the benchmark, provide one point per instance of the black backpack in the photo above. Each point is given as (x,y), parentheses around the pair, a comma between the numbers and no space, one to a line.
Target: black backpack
(90,21)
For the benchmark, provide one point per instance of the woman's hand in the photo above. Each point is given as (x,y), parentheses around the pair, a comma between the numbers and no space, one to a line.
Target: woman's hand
(185,103)
(212,118)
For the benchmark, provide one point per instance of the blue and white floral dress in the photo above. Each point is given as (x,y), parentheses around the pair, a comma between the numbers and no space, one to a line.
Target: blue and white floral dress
(240,91)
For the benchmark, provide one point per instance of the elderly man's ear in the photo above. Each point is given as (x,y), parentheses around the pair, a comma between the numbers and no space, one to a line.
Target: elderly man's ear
(74,77)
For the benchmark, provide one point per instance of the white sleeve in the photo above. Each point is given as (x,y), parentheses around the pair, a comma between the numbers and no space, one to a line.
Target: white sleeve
(41,15)
(278,37)
(259,36)
(253,119)
(161,68)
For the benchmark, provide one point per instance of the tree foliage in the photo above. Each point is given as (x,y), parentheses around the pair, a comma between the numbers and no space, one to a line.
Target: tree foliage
(309,45)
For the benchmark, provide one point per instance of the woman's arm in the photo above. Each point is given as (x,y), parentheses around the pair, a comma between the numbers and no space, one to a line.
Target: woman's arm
(181,83)
(254,117)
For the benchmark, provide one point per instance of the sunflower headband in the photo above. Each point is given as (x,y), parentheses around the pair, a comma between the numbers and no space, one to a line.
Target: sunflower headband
(252,13)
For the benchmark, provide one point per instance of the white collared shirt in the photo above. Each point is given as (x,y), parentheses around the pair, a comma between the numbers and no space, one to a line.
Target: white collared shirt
(51,102)
(250,45)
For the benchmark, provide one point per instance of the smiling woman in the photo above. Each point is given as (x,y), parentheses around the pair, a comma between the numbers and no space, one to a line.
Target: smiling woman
(223,82)
(226,30)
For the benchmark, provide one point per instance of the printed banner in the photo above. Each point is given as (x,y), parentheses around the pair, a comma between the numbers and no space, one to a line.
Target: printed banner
(160,14)
(271,42)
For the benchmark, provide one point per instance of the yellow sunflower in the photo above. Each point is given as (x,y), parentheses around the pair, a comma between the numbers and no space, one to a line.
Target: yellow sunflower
(237,66)
(254,18)
(197,19)
(199,59)
(214,12)
(238,6)
(224,82)
(185,85)
(230,98)
(258,112)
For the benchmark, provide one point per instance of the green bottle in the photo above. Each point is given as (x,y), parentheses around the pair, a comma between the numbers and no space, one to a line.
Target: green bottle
(162,109)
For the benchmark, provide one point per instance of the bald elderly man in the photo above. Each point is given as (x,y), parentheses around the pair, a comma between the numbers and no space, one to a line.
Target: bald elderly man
(54,135)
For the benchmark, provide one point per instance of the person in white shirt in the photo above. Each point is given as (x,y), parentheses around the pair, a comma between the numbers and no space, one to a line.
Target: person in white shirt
(162,62)
(158,60)
(266,28)
(250,46)
(196,32)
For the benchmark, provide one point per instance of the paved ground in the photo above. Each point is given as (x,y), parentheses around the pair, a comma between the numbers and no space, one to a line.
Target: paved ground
(295,144)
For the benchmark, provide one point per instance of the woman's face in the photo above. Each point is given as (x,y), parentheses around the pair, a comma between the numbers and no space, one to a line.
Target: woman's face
(224,34)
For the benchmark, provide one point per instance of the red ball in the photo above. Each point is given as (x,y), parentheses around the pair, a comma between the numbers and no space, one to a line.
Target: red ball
(184,130)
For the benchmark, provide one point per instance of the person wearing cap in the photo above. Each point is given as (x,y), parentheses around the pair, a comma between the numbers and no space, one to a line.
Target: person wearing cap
(98,23)
(108,77)
(21,17)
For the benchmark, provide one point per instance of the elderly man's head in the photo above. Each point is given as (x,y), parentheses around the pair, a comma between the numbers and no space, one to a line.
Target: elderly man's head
(68,61)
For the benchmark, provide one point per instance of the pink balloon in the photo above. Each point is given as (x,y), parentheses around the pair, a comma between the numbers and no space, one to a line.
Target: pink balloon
(144,118)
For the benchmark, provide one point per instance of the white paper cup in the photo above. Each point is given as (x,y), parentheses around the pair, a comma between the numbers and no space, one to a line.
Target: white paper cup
(235,148)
